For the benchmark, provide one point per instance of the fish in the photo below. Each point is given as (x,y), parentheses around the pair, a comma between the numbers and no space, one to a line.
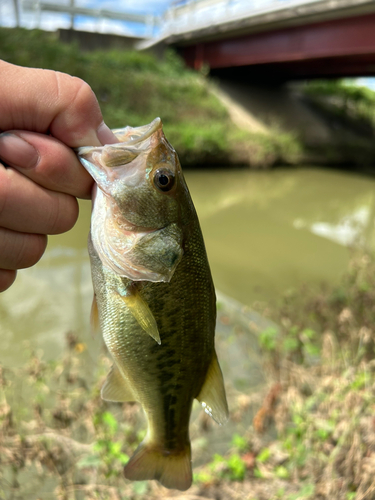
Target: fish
(154,298)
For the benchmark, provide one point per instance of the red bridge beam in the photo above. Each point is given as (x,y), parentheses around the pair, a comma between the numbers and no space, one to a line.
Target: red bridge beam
(348,42)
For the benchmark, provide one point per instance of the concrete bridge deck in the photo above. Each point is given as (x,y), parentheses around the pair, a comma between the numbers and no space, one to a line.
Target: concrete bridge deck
(290,38)
(204,20)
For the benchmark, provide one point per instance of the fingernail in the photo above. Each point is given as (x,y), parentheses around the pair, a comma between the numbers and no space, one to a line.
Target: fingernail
(17,152)
(105,135)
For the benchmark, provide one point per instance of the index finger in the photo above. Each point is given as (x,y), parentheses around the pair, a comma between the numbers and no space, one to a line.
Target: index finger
(51,102)
(46,161)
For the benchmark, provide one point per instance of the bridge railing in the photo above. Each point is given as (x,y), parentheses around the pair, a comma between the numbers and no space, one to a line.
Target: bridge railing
(189,15)
(35,8)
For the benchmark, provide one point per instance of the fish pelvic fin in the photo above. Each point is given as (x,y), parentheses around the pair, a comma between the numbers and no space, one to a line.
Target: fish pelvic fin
(212,395)
(142,313)
(171,468)
(115,388)
(94,316)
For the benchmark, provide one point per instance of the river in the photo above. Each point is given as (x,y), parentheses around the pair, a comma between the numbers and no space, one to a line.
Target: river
(265,232)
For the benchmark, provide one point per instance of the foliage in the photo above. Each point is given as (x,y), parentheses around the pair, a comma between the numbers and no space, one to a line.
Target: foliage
(232,467)
(323,353)
(135,87)
(75,441)
(346,97)
(107,450)
(311,439)
(322,357)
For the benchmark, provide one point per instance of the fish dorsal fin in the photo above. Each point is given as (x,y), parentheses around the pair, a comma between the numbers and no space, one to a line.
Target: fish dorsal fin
(142,313)
(94,316)
(115,387)
(212,395)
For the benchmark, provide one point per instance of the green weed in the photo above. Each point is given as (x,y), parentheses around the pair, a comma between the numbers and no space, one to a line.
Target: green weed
(240,442)
(346,97)
(232,467)
(135,87)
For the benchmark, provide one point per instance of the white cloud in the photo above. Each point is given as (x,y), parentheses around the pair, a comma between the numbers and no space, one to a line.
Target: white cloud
(47,21)
(141,6)
(103,26)
(51,21)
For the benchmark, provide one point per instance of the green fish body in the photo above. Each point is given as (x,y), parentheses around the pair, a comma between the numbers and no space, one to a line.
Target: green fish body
(154,296)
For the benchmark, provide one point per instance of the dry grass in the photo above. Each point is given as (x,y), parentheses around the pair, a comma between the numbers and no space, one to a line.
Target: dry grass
(313,436)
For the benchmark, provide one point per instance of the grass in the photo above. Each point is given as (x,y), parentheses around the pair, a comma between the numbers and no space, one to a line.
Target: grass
(133,88)
(312,437)
(344,98)
(350,112)
(320,401)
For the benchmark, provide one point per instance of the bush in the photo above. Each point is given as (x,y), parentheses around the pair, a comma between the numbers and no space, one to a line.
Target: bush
(135,87)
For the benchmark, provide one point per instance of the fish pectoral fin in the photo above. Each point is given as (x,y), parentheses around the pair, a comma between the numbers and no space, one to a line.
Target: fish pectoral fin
(94,316)
(115,388)
(142,313)
(212,395)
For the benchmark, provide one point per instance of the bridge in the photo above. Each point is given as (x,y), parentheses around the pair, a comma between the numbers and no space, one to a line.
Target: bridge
(261,39)
(287,38)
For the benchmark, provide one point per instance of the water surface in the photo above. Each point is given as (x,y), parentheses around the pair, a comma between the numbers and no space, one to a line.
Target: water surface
(265,232)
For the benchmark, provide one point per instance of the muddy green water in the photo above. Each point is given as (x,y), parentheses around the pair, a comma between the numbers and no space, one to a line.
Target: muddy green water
(265,232)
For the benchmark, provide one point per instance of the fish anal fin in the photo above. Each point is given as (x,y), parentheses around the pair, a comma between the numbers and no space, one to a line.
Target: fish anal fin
(94,316)
(142,313)
(171,469)
(115,387)
(212,395)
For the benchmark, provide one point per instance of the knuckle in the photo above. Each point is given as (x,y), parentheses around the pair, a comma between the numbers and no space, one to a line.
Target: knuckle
(73,91)
(84,92)
(78,111)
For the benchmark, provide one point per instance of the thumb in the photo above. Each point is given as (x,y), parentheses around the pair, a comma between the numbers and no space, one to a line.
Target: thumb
(78,120)
(47,101)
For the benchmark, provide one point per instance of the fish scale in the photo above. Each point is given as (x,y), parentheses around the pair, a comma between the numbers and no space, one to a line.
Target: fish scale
(155,297)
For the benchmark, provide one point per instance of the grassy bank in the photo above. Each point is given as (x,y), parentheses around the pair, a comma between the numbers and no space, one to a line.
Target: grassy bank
(312,437)
(345,99)
(349,111)
(133,88)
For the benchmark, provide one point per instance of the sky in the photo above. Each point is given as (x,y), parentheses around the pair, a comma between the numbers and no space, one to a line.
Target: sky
(52,21)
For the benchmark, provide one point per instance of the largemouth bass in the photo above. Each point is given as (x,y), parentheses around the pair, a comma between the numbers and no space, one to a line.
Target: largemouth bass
(154,296)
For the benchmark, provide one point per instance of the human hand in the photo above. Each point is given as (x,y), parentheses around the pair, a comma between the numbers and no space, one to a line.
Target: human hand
(43,114)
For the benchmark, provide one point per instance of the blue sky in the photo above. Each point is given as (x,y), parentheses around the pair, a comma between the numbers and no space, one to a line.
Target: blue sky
(52,21)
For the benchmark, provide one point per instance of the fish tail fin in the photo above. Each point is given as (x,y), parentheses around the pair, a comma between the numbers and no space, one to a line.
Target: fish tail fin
(172,469)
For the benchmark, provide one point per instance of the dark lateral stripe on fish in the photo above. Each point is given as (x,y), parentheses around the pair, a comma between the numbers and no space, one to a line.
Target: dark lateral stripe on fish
(167,355)
(165,376)
(171,438)
(167,364)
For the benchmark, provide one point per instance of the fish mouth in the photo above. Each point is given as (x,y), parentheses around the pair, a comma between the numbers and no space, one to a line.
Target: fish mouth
(134,135)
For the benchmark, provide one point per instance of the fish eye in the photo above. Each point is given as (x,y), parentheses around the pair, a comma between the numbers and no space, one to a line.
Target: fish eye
(164,179)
